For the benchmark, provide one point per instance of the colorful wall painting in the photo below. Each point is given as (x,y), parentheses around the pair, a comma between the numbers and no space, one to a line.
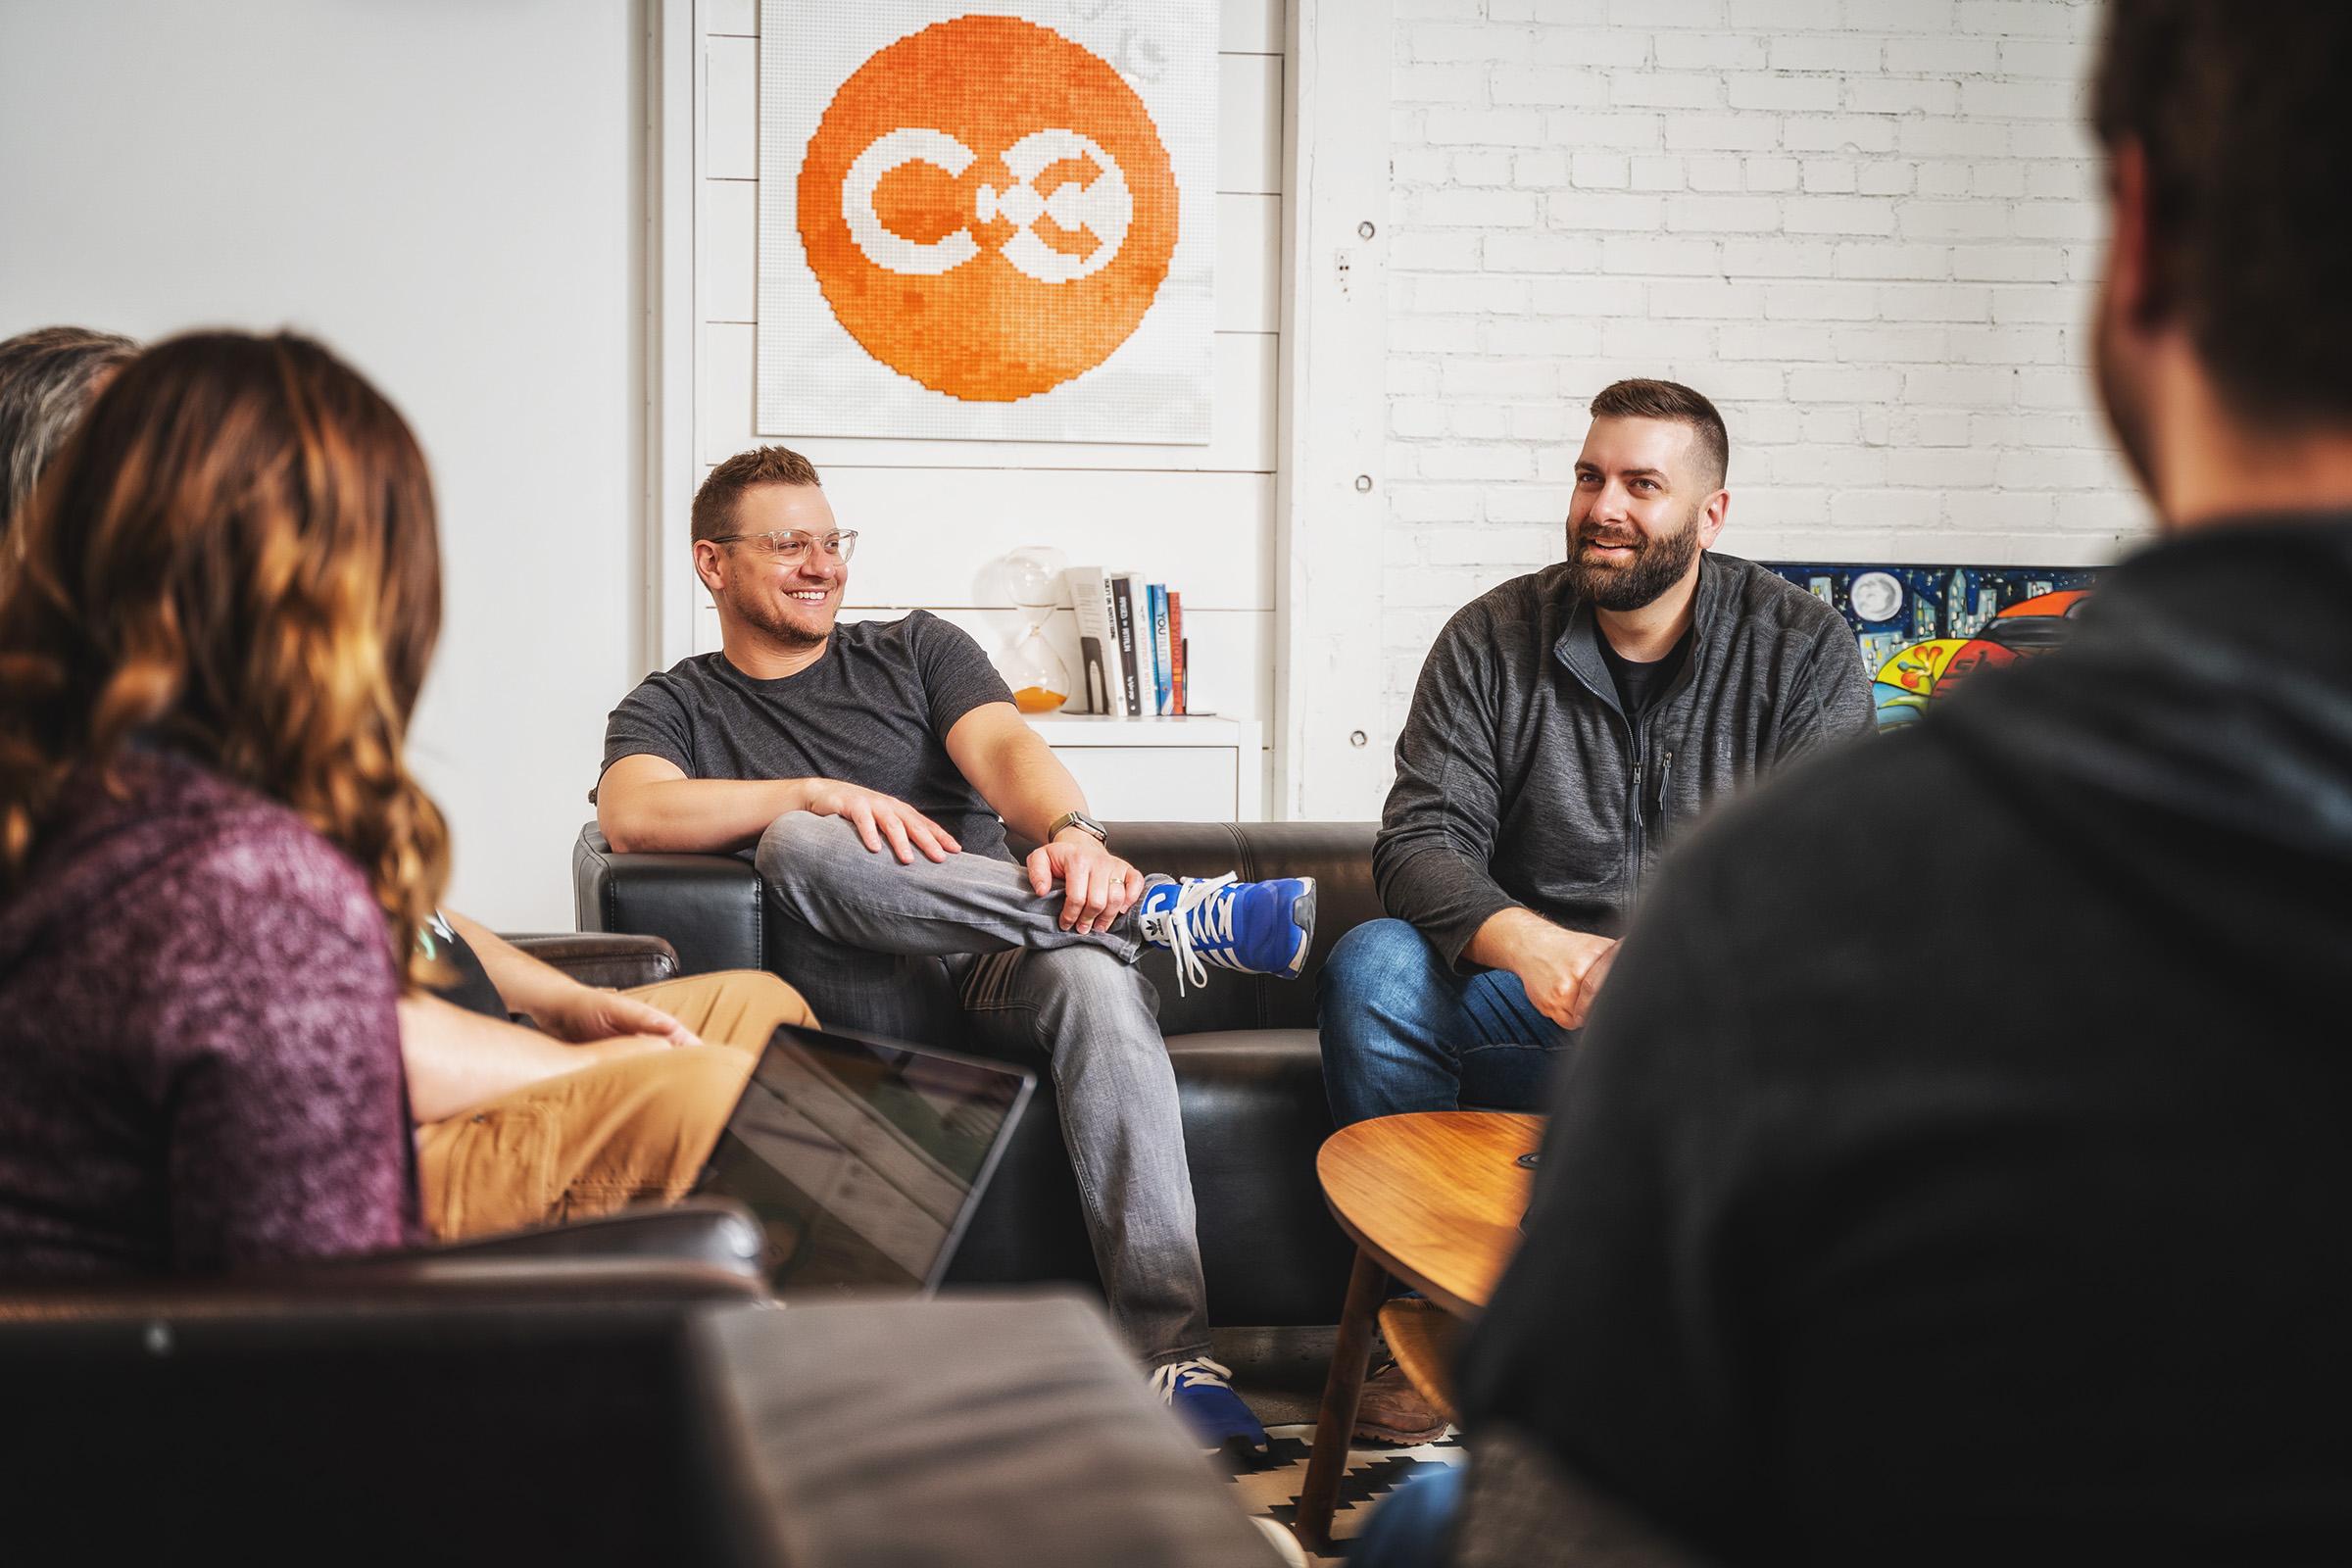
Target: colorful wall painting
(1925,630)
(986,220)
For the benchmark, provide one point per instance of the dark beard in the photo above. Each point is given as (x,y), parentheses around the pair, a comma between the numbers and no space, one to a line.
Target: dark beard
(1657,566)
(785,633)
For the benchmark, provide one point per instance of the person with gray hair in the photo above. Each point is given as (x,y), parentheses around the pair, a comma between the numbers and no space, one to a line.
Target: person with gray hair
(47,378)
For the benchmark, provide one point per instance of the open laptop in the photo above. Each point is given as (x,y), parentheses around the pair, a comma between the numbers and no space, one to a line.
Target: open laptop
(864,1158)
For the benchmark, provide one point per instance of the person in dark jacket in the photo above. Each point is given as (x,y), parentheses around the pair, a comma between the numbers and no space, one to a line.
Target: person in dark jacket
(1567,727)
(1954,1170)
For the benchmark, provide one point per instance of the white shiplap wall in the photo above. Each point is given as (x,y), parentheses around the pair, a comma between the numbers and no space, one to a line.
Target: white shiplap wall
(936,516)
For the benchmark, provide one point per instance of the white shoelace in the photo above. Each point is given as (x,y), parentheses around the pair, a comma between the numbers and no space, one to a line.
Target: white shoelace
(1166,1381)
(1174,926)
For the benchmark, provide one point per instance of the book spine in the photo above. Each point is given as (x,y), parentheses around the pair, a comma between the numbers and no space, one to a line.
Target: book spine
(1146,670)
(1098,640)
(1177,645)
(1163,656)
(1114,683)
(1123,595)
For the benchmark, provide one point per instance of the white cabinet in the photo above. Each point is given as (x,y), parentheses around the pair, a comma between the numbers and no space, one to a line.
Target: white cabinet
(1194,769)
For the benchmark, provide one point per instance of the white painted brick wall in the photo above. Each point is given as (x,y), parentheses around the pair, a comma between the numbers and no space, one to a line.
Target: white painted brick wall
(1867,228)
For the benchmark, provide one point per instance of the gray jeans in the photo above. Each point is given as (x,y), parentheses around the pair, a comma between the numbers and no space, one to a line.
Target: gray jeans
(934,953)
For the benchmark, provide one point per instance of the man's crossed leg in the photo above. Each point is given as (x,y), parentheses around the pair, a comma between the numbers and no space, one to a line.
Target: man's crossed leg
(920,950)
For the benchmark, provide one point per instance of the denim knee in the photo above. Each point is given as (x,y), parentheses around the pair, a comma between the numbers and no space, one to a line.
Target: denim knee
(1092,992)
(1385,960)
(797,844)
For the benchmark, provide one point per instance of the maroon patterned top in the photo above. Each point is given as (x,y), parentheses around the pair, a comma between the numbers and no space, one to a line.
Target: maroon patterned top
(199,1060)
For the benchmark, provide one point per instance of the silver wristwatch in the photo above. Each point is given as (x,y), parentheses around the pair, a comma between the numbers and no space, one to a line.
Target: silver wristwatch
(1076,819)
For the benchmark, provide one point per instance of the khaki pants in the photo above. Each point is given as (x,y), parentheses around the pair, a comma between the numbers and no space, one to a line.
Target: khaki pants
(638,1130)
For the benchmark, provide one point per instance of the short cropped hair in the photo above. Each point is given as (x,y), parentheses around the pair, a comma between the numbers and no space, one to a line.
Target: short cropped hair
(47,377)
(1671,400)
(714,502)
(2247,128)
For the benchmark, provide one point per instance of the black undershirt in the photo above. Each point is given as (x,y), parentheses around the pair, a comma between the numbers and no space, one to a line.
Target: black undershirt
(1639,685)
(469,986)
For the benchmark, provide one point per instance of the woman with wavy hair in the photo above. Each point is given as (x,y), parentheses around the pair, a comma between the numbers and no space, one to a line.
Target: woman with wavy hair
(213,866)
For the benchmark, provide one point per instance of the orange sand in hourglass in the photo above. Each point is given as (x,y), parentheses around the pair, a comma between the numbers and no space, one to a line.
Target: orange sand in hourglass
(1039,698)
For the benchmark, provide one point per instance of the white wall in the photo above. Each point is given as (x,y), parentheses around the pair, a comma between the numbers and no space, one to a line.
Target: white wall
(936,516)
(449,195)
(1867,228)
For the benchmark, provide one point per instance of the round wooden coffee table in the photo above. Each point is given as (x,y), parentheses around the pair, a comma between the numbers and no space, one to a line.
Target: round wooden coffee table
(1434,1198)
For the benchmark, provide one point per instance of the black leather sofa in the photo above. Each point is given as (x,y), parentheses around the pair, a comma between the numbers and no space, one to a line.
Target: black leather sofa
(511,1400)
(1247,1065)
(617,1390)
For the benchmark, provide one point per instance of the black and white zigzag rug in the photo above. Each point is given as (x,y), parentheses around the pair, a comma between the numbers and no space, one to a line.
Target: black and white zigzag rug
(1373,1472)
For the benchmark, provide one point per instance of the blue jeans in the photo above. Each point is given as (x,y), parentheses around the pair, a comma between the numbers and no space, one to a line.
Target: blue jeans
(1402,1031)
(1413,1525)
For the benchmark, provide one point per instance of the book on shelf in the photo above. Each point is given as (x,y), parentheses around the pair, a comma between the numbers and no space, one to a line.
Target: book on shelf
(1134,650)
(1163,659)
(1134,656)
(1099,673)
(1176,702)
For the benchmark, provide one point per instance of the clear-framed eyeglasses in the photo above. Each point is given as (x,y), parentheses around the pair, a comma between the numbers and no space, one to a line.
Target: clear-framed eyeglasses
(790,545)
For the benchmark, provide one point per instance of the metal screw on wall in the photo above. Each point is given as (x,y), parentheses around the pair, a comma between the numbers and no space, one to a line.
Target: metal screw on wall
(1357,738)
(1363,484)
(1364,230)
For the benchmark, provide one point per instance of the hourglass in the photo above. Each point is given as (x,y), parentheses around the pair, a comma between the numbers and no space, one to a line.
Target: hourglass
(1040,680)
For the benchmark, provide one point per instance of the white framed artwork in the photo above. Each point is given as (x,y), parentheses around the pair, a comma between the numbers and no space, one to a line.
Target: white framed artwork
(987,222)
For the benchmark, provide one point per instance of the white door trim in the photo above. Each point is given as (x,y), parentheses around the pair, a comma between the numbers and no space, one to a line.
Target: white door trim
(673,141)
(1331,755)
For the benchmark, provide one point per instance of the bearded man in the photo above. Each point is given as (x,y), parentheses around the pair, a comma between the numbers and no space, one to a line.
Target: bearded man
(1568,727)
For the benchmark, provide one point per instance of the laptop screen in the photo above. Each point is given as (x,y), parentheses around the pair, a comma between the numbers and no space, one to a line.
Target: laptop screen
(862,1158)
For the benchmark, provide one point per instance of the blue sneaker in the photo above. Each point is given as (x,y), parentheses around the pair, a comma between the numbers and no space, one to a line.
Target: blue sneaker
(1198,1392)
(1253,927)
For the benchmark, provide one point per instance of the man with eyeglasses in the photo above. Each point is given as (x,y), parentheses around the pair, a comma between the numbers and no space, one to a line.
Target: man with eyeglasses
(873,768)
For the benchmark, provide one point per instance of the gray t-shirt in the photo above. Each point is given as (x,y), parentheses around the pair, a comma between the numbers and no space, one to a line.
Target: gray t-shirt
(873,712)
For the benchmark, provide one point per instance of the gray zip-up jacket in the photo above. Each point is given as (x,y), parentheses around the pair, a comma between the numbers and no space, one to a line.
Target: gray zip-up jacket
(1519,781)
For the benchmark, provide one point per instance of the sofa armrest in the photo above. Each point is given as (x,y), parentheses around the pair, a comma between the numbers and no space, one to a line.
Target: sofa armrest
(988,1432)
(708,1231)
(709,908)
(372,1287)
(705,1250)
(614,959)
(443,1411)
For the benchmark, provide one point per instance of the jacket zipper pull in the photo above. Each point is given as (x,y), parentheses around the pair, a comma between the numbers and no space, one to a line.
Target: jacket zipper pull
(1665,772)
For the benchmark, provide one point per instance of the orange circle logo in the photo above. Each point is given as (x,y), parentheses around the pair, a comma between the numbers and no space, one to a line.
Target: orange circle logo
(988,208)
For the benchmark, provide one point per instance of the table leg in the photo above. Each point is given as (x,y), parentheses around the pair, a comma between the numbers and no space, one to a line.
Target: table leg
(1335,1423)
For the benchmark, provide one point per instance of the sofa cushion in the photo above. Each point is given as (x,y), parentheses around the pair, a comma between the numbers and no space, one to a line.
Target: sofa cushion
(1254,1118)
